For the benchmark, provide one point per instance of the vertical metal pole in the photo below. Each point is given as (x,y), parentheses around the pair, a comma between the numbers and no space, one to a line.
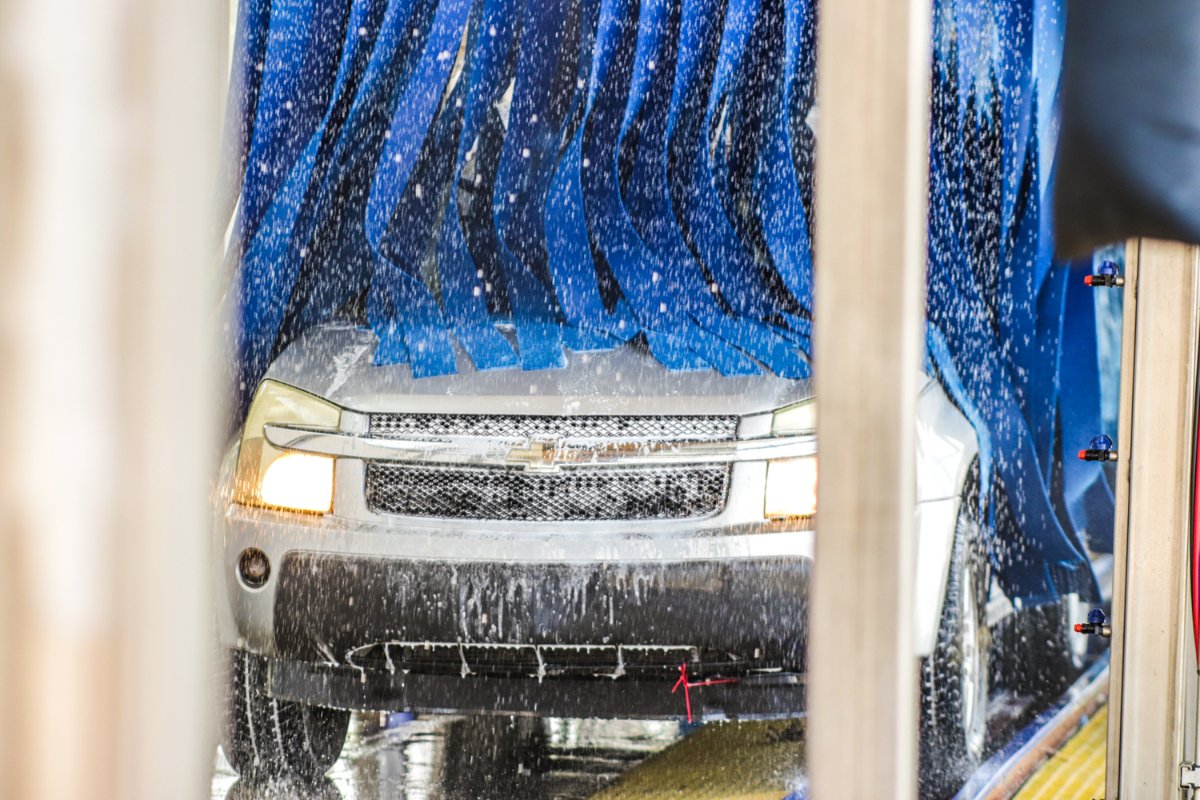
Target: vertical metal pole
(170,411)
(107,253)
(1152,634)
(872,184)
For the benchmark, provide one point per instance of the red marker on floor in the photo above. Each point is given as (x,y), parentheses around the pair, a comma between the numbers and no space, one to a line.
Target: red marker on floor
(689,685)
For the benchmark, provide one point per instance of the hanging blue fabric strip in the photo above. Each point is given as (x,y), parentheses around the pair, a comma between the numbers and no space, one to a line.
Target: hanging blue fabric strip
(1086,492)
(974,372)
(464,287)
(270,251)
(657,298)
(541,94)
(272,259)
(753,102)
(399,301)
(781,210)
(570,257)
(385,38)
(1010,57)
(568,242)
(611,232)
(698,37)
(249,47)
(291,100)
(647,195)
(651,115)
(695,190)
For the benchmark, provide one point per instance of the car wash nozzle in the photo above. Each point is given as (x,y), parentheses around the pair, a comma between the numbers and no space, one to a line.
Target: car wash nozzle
(1095,625)
(1109,274)
(1099,449)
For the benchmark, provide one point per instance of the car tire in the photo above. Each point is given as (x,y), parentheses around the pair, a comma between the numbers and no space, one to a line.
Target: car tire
(1046,655)
(269,739)
(955,678)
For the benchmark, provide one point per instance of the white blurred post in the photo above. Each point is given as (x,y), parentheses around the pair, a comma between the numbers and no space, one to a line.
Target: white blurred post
(108,140)
(872,166)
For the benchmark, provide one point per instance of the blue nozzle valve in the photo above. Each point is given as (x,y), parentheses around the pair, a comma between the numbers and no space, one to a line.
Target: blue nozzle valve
(1099,449)
(1109,275)
(1096,625)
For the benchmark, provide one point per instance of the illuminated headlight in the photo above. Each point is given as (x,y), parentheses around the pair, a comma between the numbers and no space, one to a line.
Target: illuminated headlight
(792,482)
(791,488)
(276,478)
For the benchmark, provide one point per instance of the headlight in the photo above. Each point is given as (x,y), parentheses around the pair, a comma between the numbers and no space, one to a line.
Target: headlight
(800,418)
(792,483)
(791,488)
(276,478)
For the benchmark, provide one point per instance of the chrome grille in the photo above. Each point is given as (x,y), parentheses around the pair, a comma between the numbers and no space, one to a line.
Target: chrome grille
(683,492)
(680,428)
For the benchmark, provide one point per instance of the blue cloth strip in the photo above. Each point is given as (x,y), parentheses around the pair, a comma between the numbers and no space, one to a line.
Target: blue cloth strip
(464,287)
(781,210)
(695,191)
(399,303)
(298,64)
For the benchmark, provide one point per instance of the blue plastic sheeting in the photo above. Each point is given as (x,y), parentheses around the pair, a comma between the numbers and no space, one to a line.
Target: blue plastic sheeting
(593,172)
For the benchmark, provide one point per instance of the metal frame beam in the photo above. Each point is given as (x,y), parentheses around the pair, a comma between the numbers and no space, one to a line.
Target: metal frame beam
(1152,662)
(872,185)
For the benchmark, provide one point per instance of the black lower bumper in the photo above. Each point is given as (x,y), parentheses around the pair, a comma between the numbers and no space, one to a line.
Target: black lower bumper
(598,639)
(752,697)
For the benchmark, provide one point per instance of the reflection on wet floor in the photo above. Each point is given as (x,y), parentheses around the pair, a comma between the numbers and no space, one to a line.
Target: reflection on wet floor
(397,757)
(468,758)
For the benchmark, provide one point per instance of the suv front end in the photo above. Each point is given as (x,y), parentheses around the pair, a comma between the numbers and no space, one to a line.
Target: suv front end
(385,548)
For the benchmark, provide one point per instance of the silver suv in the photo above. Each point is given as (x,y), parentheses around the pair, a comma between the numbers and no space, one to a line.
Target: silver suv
(562,542)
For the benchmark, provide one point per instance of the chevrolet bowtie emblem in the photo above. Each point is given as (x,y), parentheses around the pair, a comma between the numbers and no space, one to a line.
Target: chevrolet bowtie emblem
(539,456)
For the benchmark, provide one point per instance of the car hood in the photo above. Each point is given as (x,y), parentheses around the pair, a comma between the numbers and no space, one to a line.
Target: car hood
(335,362)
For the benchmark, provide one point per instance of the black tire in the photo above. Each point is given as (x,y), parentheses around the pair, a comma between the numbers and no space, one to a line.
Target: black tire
(268,739)
(955,679)
(1044,654)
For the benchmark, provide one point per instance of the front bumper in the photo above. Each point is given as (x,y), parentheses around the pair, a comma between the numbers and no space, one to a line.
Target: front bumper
(362,616)
(601,639)
(765,696)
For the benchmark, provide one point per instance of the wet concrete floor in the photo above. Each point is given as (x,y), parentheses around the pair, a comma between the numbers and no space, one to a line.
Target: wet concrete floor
(397,757)
(468,758)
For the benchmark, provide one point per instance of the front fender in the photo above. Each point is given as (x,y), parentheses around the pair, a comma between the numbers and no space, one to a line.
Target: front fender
(946,447)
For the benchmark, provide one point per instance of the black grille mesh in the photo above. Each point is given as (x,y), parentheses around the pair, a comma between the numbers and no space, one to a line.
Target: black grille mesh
(682,428)
(573,494)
